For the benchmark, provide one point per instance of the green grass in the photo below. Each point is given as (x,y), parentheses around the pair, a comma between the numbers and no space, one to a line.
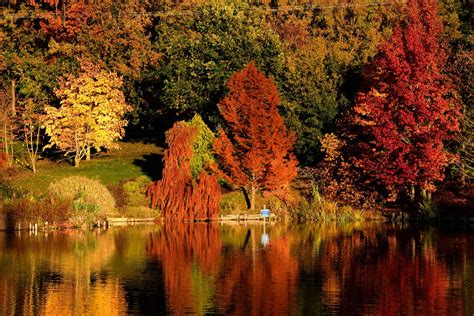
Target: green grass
(132,160)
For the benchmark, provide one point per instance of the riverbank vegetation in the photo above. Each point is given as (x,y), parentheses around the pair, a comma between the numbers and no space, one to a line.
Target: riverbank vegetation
(319,111)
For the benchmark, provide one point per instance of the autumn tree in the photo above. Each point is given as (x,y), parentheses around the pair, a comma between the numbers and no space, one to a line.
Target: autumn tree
(255,150)
(406,115)
(91,113)
(187,191)
(8,128)
(203,48)
(461,71)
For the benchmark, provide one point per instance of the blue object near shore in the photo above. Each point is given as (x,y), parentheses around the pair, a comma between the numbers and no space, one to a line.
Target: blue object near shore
(265,212)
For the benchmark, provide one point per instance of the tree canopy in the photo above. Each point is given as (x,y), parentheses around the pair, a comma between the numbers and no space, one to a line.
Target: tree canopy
(255,149)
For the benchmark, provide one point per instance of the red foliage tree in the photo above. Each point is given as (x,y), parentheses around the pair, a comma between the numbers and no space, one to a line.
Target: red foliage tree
(407,115)
(177,194)
(66,26)
(256,153)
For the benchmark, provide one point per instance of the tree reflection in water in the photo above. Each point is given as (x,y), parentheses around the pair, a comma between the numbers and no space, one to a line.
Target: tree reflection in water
(203,268)
(200,277)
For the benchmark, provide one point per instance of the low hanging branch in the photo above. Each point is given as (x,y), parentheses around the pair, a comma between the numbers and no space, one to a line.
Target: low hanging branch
(177,194)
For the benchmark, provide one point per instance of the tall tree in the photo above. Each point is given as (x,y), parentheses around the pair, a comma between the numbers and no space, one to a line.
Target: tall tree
(255,152)
(326,50)
(407,114)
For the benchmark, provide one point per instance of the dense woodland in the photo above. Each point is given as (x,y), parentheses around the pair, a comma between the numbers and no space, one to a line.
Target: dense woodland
(361,102)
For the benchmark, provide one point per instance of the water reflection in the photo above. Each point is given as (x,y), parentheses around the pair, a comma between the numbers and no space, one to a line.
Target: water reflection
(211,268)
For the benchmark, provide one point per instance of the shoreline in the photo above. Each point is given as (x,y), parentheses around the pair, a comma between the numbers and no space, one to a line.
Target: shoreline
(227,219)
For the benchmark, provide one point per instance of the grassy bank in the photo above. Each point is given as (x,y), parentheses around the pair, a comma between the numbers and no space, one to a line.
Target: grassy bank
(126,172)
(132,160)
(26,197)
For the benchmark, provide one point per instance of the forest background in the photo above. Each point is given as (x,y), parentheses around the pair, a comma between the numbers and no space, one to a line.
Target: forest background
(172,60)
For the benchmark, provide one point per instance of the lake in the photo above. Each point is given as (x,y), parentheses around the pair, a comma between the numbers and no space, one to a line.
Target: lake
(375,269)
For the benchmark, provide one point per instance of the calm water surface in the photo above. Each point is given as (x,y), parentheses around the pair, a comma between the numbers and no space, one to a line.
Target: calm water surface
(244,270)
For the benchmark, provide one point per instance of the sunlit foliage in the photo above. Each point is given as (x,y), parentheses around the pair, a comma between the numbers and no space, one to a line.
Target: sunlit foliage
(202,146)
(91,113)
(179,195)
(407,114)
(255,151)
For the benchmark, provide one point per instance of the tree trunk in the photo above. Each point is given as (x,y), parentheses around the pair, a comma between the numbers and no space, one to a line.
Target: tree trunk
(77,160)
(423,194)
(252,201)
(12,119)
(33,163)
(13,98)
(88,153)
(412,193)
(246,197)
(462,165)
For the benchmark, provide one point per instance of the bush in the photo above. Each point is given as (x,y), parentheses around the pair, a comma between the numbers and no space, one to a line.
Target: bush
(90,199)
(319,209)
(135,191)
(130,193)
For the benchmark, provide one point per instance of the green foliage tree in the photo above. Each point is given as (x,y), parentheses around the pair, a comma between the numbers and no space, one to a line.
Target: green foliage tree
(203,47)
(201,145)
(27,77)
(325,53)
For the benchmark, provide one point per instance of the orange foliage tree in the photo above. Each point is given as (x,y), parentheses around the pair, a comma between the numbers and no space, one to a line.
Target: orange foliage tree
(256,152)
(178,195)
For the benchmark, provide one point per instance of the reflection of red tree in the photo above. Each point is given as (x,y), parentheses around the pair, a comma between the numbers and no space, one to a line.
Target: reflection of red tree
(263,283)
(178,246)
(399,278)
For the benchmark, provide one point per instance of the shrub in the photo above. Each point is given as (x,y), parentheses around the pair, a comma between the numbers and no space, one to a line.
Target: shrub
(130,193)
(90,199)
(318,208)
(135,191)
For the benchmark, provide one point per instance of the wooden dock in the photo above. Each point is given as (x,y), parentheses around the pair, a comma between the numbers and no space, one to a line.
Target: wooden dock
(120,221)
(244,217)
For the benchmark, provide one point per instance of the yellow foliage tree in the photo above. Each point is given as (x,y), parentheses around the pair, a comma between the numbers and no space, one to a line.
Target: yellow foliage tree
(91,113)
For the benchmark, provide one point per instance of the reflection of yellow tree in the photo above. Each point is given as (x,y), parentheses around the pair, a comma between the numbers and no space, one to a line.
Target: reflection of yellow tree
(103,299)
(52,275)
